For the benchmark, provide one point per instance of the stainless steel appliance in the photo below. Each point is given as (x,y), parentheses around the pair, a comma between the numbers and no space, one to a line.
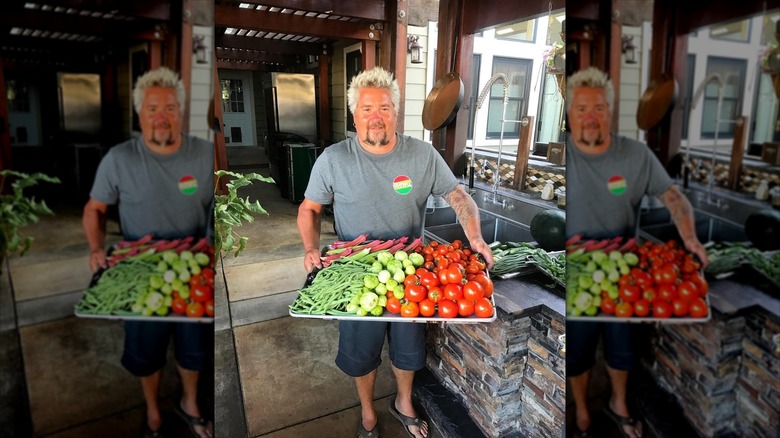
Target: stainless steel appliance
(291,117)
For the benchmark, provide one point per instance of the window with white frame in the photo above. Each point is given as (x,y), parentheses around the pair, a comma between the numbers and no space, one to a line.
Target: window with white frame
(732,74)
(518,71)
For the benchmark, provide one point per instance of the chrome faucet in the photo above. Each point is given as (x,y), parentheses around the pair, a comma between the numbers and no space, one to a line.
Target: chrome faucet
(480,101)
(699,91)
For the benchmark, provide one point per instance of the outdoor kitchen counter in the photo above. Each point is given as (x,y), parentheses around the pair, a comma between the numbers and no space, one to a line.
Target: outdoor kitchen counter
(725,373)
(508,374)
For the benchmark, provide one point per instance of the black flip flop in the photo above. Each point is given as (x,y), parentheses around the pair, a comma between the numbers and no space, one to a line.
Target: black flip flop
(192,421)
(622,421)
(405,420)
(363,433)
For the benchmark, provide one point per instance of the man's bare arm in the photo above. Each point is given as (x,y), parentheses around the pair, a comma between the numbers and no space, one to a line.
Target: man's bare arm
(94,223)
(683,217)
(309,220)
(468,215)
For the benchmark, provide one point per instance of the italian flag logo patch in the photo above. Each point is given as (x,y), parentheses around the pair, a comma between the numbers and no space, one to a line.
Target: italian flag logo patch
(616,185)
(188,185)
(402,184)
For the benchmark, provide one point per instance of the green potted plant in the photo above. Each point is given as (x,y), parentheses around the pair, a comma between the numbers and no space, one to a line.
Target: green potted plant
(17,211)
(230,211)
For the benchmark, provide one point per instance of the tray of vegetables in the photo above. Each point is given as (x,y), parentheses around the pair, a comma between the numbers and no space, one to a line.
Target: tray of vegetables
(398,282)
(162,280)
(610,280)
(513,259)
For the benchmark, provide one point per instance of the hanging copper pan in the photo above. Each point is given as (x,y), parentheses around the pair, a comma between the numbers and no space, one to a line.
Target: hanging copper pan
(658,98)
(443,102)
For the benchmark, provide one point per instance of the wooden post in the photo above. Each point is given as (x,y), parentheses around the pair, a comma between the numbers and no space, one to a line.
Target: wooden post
(5,127)
(324,109)
(220,152)
(737,152)
(523,152)
(185,62)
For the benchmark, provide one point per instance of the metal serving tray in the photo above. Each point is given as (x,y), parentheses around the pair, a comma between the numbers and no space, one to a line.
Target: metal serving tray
(171,317)
(671,320)
(387,316)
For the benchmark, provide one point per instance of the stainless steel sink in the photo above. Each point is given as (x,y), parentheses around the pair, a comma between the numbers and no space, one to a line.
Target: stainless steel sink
(718,218)
(441,224)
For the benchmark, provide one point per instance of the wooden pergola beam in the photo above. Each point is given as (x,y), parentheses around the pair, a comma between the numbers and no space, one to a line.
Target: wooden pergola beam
(151,9)
(365,9)
(254,56)
(489,13)
(269,45)
(253,66)
(227,16)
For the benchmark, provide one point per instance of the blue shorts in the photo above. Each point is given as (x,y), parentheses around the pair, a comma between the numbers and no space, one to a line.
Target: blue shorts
(582,339)
(146,345)
(360,346)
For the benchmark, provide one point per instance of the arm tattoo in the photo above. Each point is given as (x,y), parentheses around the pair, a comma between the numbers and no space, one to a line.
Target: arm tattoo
(462,204)
(681,212)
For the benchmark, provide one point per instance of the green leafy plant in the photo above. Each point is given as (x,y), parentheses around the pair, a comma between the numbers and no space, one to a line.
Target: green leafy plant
(17,211)
(230,211)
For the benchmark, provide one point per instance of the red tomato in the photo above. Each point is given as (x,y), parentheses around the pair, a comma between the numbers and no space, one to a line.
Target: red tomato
(453,292)
(435,294)
(679,307)
(443,276)
(472,268)
(666,274)
(457,244)
(667,292)
(195,309)
(662,309)
(448,309)
(420,271)
(487,284)
(698,308)
(687,291)
(625,280)
(649,294)
(427,308)
(393,305)
(483,308)
(429,280)
(411,279)
(642,307)
(427,250)
(410,310)
(201,293)
(429,265)
(608,306)
(701,284)
(454,275)
(472,291)
(465,308)
(624,310)
(196,280)
(415,293)
(208,274)
(178,305)
(210,308)
(643,279)
(442,250)
(629,294)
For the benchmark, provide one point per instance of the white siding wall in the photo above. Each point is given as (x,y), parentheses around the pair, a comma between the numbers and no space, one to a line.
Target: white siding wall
(338,103)
(630,89)
(416,89)
(202,88)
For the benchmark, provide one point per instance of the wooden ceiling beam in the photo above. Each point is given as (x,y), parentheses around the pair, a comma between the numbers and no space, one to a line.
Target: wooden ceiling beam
(364,9)
(149,9)
(492,13)
(269,45)
(227,16)
(78,24)
(253,66)
(246,55)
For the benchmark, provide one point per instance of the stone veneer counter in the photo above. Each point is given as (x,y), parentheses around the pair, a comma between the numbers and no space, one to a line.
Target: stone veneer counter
(725,373)
(509,374)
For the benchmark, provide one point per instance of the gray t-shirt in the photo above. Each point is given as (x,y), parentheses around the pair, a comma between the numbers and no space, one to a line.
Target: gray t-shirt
(382,195)
(604,191)
(166,195)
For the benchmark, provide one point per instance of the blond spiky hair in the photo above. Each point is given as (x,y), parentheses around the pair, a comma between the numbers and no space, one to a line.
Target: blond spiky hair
(161,77)
(377,77)
(590,77)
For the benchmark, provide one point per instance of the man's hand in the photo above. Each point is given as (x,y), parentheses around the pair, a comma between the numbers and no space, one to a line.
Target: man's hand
(97,260)
(312,260)
(694,246)
(479,245)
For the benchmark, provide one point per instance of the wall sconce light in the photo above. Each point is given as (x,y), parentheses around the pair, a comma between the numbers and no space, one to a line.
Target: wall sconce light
(629,49)
(199,48)
(415,48)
